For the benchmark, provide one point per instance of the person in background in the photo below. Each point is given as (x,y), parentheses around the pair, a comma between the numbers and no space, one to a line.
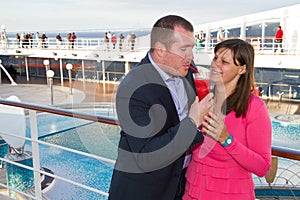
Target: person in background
(220,35)
(278,39)
(238,131)
(200,40)
(69,38)
(109,36)
(26,41)
(159,114)
(58,40)
(121,41)
(3,38)
(22,40)
(106,40)
(44,40)
(127,41)
(30,39)
(132,40)
(37,39)
(73,39)
(18,38)
(114,40)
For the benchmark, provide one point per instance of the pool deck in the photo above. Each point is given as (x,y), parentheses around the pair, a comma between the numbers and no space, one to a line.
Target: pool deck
(36,91)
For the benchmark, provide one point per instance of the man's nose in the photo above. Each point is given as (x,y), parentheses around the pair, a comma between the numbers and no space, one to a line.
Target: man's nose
(190,54)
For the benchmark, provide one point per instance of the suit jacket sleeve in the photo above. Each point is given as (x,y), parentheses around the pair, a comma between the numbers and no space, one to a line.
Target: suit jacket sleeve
(151,129)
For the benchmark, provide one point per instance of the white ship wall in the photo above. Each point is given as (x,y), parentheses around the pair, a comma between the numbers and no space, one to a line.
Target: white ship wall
(288,17)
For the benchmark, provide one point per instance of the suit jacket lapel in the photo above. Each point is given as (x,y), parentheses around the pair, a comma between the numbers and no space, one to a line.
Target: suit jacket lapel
(187,81)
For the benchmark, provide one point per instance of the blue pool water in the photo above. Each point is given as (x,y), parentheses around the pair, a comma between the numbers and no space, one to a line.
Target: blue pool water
(91,137)
(286,134)
(101,139)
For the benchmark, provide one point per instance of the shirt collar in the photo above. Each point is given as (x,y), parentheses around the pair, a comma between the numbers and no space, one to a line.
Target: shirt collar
(163,74)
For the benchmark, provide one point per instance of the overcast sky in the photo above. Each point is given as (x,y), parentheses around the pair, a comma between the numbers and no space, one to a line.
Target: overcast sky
(77,15)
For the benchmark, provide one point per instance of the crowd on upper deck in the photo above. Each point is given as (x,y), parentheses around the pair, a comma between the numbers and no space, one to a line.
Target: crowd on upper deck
(110,40)
(114,41)
(30,40)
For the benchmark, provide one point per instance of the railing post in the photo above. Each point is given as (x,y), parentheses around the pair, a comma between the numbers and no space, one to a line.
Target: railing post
(35,154)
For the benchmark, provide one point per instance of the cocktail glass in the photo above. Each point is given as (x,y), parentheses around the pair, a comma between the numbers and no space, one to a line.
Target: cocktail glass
(202,83)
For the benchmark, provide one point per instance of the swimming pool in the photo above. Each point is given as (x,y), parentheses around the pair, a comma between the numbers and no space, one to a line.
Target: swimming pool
(76,134)
(102,140)
(286,131)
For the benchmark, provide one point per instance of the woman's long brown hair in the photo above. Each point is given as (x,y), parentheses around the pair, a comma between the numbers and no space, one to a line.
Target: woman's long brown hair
(243,54)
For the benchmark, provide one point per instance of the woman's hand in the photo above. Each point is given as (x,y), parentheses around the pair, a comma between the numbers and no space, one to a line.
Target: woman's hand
(201,108)
(214,127)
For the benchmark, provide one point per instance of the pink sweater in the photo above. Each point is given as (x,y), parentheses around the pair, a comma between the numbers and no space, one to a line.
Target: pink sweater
(218,172)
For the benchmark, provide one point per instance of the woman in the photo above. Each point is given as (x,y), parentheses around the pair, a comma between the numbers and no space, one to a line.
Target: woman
(237,132)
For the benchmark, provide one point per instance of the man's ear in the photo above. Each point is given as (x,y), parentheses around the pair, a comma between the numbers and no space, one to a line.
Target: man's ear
(159,48)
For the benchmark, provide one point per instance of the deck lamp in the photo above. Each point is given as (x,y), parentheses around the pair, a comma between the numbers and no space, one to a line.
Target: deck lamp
(50,75)
(46,63)
(69,67)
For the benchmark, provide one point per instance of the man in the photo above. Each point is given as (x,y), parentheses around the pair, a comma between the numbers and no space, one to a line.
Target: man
(132,40)
(220,35)
(278,39)
(159,121)
(202,38)
(58,40)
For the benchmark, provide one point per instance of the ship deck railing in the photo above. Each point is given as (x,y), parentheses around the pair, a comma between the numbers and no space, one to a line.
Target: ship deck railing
(266,46)
(79,44)
(283,179)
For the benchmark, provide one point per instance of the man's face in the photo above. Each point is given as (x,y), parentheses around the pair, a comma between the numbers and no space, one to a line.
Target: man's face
(178,57)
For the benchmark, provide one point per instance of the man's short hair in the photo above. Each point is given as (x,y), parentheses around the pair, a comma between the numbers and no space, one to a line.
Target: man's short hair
(163,29)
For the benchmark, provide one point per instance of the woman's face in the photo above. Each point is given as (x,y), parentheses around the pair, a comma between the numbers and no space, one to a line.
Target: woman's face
(223,69)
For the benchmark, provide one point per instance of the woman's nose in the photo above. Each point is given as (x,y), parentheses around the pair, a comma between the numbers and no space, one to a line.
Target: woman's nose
(217,62)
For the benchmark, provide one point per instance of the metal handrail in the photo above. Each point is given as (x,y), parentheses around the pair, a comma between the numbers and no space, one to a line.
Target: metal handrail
(267,46)
(288,92)
(53,110)
(32,110)
(79,44)
(286,153)
(277,151)
(90,43)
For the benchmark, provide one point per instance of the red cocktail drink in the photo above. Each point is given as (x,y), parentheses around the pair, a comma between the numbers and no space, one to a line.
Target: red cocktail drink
(202,84)
(202,87)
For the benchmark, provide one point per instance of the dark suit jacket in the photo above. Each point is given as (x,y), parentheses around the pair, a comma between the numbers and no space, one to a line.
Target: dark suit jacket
(153,141)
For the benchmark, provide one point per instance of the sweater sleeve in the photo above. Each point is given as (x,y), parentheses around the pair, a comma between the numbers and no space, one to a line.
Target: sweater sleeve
(255,155)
